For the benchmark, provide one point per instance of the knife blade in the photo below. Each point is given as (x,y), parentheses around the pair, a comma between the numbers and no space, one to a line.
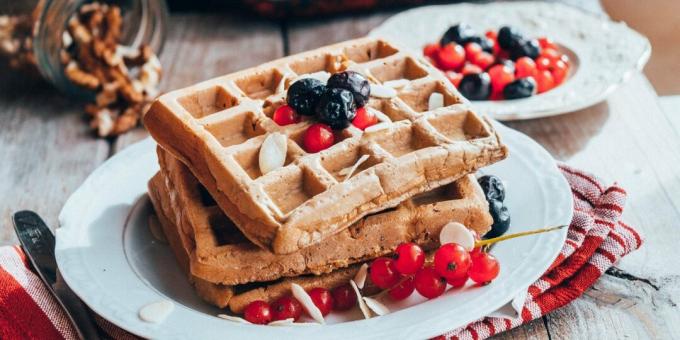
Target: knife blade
(38,243)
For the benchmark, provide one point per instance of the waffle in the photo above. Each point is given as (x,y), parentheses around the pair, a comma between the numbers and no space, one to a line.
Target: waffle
(217,127)
(220,254)
(239,296)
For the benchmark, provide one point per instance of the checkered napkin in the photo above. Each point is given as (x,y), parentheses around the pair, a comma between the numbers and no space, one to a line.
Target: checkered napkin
(596,240)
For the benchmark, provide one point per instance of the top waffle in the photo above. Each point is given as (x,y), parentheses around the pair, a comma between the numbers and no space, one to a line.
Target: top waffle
(217,127)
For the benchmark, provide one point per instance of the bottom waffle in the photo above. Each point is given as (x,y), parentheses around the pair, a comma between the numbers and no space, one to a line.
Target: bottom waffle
(220,254)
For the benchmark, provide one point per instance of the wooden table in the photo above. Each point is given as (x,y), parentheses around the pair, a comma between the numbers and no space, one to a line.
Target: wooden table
(47,151)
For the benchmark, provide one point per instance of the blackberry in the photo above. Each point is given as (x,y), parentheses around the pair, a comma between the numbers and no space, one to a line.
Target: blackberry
(493,187)
(520,88)
(475,86)
(353,82)
(508,36)
(457,33)
(525,48)
(303,95)
(336,108)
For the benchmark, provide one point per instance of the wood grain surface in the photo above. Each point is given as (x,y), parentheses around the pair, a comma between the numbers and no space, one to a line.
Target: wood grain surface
(47,151)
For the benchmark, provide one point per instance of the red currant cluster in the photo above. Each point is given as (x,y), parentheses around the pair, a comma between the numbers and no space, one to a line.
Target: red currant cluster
(507,67)
(452,264)
(340,299)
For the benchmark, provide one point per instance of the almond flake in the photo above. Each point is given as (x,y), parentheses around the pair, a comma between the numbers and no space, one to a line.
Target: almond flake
(273,152)
(356,165)
(282,85)
(381,116)
(362,304)
(284,322)
(156,312)
(379,126)
(382,91)
(435,101)
(376,306)
(232,318)
(306,301)
(454,232)
(395,84)
(360,277)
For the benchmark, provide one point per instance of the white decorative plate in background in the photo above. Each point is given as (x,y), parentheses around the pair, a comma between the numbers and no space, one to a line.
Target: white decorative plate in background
(108,256)
(604,53)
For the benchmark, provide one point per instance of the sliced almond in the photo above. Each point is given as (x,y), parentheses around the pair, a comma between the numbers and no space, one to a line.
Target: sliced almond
(232,318)
(284,322)
(454,232)
(376,306)
(273,152)
(306,301)
(156,312)
(356,165)
(435,101)
(360,277)
(378,126)
(362,304)
(397,83)
(382,91)
(282,85)
(381,116)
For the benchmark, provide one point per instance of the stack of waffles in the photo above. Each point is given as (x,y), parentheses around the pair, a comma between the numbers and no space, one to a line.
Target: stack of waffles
(241,235)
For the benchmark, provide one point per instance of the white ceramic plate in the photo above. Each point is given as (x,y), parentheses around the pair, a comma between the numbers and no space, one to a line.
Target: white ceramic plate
(604,53)
(110,259)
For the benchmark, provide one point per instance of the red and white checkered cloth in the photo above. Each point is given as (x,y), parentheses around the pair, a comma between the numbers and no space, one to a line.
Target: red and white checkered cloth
(596,240)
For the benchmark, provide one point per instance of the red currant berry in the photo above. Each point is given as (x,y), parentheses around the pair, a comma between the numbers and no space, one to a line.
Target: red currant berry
(542,63)
(318,137)
(344,297)
(471,51)
(525,67)
(501,75)
(428,283)
(258,312)
(409,257)
(322,299)
(384,273)
(559,70)
(364,118)
(286,307)
(285,115)
(491,35)
(484,60)
(485,267)
(550,53)
(471,69)
(403,290)
(450,57)
(545,42)
(458,282)
(545,81)
(454,77)
(451,261)
(430,50)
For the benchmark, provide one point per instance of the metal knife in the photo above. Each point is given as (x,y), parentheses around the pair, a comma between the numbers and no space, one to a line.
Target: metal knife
(38,243)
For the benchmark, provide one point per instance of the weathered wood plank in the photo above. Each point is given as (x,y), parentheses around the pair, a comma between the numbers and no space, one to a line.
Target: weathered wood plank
(201,46)
(47,150)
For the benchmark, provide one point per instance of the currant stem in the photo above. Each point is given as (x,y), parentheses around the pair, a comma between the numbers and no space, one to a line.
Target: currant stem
(482,243)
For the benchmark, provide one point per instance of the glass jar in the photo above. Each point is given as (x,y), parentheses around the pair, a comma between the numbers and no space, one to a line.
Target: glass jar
(144,22)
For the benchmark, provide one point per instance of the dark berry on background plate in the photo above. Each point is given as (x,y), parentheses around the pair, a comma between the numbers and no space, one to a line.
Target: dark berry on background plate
(526,48)
(520,88)
(353,82)
(501,219)
(336,108)
(493,187)
(457,33)
(507,36)
(475,86)
(507,63)
(485,43)
(303,95)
